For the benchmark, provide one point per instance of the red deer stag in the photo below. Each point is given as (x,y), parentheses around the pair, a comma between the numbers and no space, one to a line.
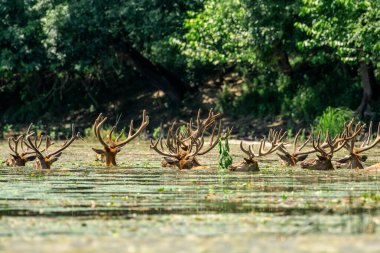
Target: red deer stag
(323,161)
(251,164)
(354,159)
(183,144)
(297,155)
(19,158)
(44,158)
(112,147)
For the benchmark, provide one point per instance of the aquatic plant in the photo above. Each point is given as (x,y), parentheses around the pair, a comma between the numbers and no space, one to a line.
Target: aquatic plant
(225,159)
(333,119)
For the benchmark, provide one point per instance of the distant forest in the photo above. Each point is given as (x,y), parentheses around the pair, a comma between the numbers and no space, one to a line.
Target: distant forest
(65,59)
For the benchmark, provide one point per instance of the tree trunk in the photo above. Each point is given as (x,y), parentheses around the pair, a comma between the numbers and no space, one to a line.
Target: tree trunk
(369,86)
(161,78)
(283,63)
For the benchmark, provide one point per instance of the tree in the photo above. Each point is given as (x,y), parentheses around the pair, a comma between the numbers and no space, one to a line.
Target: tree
(351,29)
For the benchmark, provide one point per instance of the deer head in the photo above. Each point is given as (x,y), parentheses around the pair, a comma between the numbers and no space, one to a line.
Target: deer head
(297,155)
(354,159)
(250,163)
(45,158)
(19,158)
(181,147)
(112,147)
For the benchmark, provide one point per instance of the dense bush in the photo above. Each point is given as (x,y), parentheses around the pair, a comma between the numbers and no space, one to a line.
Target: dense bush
(332,120)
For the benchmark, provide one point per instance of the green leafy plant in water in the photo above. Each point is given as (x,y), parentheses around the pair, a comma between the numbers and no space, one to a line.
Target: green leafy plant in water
(156,133)
(290,133)
(225,159)
(182,129)
(37,175)
(332,119)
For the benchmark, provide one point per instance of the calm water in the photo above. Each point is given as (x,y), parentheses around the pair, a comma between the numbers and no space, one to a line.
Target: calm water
(87,208)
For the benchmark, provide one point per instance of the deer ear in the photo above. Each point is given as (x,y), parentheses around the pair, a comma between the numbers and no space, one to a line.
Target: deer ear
(58,155)
(30,158)
(14,156)
(321,158)
(170,160)
(99,151)
(344,159)
(55,158)
(247,160)
(301,158)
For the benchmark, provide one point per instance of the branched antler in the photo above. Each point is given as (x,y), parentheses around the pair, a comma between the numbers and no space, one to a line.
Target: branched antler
(276,142)
(45,158)
(20,155)
(112,147)
(181,147)
(328,148)
(354,158)
(297,154)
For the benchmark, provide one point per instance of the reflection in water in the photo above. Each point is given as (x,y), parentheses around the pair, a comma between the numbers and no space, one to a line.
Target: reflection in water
(92,192)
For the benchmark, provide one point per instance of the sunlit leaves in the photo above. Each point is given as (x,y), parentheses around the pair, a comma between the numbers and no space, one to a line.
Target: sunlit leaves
(220,34)
(350,27)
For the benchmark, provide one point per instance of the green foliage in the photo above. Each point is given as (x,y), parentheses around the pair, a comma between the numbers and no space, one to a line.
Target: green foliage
(333,120)
(220,34)
(350,28)
(71,52)
(183,129)
(225,159)
(294,58)
(157,133)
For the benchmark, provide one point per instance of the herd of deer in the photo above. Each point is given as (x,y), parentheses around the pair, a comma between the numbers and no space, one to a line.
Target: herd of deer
(184,143)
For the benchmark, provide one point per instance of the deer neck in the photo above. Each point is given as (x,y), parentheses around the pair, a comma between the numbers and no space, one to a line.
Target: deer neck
(42,163)
(110,156)
(186,163)
(355,162)
(20,162)
(288,160)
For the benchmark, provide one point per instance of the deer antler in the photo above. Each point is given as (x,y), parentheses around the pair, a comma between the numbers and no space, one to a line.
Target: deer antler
(65,145)
(131,135)
(202,125)
(154,146)
(275,139)
(97,126)
(34,143)
(354,159)
(297,154)
(183,146)
(112,147)
(276,142)
(339,141)
(18,158)
(15,141)
(336,145)
(366,144)
(214,140)
(323,161)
